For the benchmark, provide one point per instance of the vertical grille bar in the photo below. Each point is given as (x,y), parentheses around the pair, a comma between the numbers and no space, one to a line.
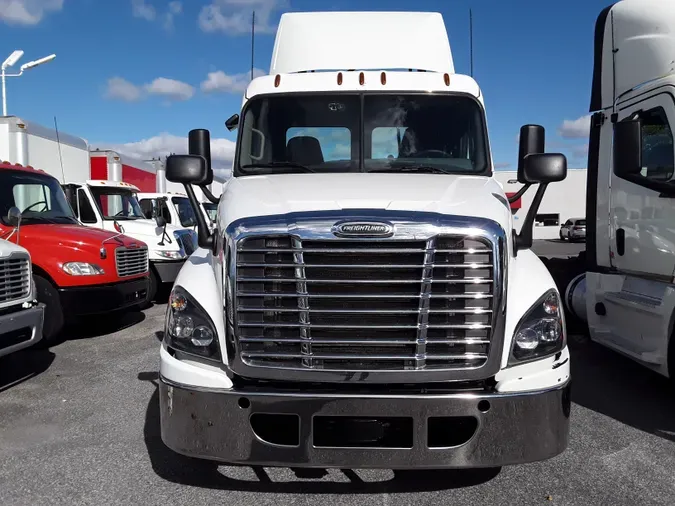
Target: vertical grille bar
(303,304)
(425,303)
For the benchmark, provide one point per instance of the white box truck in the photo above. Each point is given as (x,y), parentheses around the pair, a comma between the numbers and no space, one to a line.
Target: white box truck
(363,301)
(627,293)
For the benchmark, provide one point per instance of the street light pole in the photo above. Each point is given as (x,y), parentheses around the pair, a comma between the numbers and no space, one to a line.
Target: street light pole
(4,94)
(10,61)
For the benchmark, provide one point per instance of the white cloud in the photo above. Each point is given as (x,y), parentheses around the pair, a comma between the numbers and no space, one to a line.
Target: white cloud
(175,9)
(27,12)
(170,88)
(221,82)
(233,17)
(576,128)
(142,10)
(120,89)
(162,145)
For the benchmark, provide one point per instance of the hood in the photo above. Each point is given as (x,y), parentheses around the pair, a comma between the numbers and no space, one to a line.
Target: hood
(147,231)
(437,193)
(77,237)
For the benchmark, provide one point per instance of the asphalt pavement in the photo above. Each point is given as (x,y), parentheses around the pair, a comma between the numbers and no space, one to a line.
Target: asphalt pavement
(79,424)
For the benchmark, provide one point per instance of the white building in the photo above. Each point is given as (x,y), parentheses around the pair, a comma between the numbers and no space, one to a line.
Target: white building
(563,200)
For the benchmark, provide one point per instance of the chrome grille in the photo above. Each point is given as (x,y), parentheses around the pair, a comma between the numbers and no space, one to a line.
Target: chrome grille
(131,261)
(364,305)
(14,278)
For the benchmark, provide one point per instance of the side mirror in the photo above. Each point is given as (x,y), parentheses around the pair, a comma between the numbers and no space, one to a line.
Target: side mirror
(232,122)
(627,148)
(186,169)
(532,141)
(544,168)
(199,143)
(14,216)
(161,221)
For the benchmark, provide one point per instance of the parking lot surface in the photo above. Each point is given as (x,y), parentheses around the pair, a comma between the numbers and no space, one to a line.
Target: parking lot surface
(79,424)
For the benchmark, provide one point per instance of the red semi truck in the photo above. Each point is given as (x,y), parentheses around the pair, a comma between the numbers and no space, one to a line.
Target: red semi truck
(77,270)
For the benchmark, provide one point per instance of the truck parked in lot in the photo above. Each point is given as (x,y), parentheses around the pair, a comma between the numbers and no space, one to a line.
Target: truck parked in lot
(21,314)
(113,206)
(627,292)
(77,270)
(364,300)
(175,208)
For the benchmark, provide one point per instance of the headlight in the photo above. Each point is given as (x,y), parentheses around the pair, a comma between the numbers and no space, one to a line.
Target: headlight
(541,332)
(82,269)
(189,328)
(172,255)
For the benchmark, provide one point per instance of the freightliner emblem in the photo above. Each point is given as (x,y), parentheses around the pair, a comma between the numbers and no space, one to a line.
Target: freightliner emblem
(363,229)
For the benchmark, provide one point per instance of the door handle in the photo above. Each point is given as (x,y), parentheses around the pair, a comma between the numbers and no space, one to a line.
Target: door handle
(620,241)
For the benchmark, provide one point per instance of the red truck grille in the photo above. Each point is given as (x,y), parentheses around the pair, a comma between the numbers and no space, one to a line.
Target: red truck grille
(131,261)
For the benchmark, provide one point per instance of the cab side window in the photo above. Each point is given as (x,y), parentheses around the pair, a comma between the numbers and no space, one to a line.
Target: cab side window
(87,214)
(658,151)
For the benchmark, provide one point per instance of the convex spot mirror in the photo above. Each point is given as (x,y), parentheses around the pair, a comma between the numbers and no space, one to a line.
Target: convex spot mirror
(544,168)
(13,216)
(187,169)
(232,122)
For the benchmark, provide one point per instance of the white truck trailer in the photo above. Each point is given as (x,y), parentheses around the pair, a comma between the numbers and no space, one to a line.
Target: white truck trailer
(21,315)
(364,300)
(627,294)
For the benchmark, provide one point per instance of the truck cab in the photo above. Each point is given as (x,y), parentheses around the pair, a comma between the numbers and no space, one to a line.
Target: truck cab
(112,205)
(175,208)
(77,270)
(363,300)
(21,314)
(627,294)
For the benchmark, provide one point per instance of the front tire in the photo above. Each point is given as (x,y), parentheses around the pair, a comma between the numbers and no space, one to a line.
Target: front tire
(53,314)
(561,236)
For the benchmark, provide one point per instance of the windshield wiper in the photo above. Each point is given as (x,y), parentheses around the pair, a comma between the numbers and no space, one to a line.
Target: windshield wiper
(274,165)
(412,168)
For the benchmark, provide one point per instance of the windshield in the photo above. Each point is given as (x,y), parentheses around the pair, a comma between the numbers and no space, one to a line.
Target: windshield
(40,198)
(186,214)
(356,133)
(211,210)
(116,203)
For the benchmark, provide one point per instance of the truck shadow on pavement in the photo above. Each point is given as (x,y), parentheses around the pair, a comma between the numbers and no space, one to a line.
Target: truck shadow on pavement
(615,386)
(194,472)
(100,325)
(23,365)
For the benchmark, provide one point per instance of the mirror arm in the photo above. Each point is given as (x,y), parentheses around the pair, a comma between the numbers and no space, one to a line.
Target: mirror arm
(204,236)
(524,239)
(513,198)
(209,195)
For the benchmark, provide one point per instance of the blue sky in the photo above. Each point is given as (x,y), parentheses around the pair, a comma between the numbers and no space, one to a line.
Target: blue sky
(137,75)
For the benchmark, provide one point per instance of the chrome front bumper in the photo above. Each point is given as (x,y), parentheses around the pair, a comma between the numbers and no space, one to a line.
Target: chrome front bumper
(508,429)
(21,329)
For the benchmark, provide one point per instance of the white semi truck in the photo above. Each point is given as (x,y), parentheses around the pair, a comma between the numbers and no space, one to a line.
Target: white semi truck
(21,315)
(627,294)
(364,301)
(112,205)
